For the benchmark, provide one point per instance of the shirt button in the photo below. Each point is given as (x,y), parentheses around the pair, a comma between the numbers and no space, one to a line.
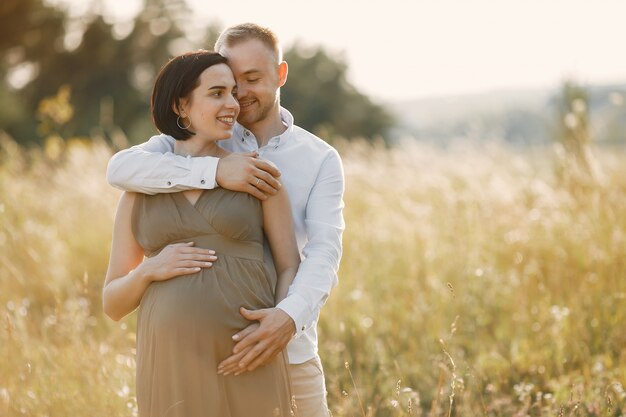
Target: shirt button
(201,181)
(302,328)
(169,183)
(247,133)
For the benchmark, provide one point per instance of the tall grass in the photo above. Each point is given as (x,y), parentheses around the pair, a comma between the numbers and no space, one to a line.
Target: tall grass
(473,283)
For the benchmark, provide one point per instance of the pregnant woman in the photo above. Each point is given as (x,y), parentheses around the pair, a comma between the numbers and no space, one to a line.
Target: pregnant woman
(189,301)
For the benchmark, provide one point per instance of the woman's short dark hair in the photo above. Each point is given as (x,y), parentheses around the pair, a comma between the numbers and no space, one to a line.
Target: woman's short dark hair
(176,80)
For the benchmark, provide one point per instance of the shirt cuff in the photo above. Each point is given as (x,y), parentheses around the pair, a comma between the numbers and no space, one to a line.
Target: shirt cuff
(296,307)
(203,172)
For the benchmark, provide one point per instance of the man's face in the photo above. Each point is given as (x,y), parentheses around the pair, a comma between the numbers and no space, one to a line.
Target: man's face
(256,72)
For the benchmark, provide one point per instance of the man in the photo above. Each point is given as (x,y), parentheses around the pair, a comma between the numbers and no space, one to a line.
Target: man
(313,175)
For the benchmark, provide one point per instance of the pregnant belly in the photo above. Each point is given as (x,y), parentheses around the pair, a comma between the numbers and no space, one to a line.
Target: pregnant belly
(206,301)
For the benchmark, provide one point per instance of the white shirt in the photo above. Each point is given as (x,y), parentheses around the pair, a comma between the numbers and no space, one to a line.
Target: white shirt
(313,176)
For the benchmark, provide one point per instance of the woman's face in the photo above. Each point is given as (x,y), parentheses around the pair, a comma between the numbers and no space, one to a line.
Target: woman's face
(211,107)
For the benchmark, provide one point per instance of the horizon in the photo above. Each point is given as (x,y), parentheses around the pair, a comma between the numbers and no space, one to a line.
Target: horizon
(508,91)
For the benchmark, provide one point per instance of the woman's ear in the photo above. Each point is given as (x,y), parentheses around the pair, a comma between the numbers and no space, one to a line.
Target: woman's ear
(178,107)
(283,69)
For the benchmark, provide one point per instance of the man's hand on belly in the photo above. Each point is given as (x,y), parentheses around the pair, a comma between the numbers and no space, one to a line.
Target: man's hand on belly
(259,343)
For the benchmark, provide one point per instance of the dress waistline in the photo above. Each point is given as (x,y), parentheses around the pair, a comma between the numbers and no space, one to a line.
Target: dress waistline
(223,245)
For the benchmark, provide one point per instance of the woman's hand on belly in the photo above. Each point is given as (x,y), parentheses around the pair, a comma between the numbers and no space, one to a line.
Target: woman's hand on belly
(175,260)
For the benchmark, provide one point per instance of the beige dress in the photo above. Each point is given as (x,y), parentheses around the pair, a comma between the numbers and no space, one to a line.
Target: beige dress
(185,324)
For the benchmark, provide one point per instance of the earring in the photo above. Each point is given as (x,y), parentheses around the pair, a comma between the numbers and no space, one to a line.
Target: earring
(182,127)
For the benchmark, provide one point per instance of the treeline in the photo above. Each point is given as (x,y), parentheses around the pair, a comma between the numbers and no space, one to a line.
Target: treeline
(86,76)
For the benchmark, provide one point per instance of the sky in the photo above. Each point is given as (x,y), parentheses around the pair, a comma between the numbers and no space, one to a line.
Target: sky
(407,49)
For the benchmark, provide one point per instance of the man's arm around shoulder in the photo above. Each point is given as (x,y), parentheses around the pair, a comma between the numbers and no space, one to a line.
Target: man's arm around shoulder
(153,168)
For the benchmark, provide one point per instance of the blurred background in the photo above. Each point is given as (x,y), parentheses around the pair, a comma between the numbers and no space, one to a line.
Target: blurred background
(484,150)
(480,70)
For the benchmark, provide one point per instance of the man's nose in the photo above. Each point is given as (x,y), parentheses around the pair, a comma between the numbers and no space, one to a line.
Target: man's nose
(241,92)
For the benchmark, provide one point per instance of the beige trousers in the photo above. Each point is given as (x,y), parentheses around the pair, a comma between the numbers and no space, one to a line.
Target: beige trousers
(309,389)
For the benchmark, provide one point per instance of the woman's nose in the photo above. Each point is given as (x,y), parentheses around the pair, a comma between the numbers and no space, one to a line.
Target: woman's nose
(232,102)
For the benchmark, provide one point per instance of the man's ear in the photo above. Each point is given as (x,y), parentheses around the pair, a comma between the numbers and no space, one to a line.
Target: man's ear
(283,70)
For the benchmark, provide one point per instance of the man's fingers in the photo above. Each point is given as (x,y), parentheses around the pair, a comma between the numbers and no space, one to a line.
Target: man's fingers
(265,188)
(231,364)
(263,359)
(255,192)
(245,332)
(253,314)
(257,350)
(265,181)
(248,341)
(230,369)
(267,166)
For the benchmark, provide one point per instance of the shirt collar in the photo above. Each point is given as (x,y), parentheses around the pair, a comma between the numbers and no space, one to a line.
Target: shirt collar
(239,132)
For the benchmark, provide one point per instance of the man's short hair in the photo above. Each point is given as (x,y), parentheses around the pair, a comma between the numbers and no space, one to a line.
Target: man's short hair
(240,33)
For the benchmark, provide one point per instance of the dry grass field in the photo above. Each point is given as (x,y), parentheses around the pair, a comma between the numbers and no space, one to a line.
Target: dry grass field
(473,283)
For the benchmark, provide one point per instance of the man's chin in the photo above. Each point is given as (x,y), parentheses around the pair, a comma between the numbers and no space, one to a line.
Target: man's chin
(247,120)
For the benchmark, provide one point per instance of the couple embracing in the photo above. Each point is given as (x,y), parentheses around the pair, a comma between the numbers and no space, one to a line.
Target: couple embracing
(228,251)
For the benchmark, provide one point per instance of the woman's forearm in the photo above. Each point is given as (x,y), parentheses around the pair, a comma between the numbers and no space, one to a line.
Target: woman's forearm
(285,278)
(122,296)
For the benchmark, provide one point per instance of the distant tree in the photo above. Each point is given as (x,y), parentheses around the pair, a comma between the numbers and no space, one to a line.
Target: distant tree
(109,76)
(30,36)
(105,74)
(324,102)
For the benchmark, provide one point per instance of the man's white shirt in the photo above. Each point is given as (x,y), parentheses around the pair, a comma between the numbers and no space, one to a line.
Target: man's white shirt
(312,173)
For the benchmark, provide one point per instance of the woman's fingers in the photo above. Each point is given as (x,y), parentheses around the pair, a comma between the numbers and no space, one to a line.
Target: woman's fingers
(198,257)
(187,250)
(193,264)
(185,271)
(182,259)
(198,254)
